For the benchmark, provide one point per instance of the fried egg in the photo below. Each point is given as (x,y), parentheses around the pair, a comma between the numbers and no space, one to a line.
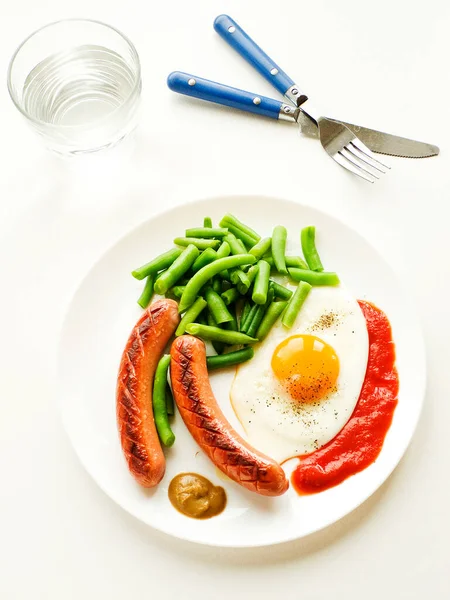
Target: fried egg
(303,383)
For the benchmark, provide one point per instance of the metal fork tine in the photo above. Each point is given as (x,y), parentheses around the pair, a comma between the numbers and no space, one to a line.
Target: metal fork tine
(350,166)
(345,148)
(350,154)
(369,155)
(366,160)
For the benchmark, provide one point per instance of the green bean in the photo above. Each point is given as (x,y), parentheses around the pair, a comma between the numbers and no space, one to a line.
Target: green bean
(243,285)
(236,246)
(249,318)
(178,290)
(207,222)
(230,296)
(229,219)
(217,285)
(314,277)
(236,274)
(246,239)
(241,245)
(190,315)
(295,261)
(229,359)
(232,325)
(256,320)
(241,281)
(295,304)
(279,236)
(200,243)
(147,292)
(261,286)
(272,313)
(250,270)
(218,346)
(220,335)
(206,257)
(251,273)
(223,250)
(159,402)
(163,261)
(291,261)
(204,275)
(246,309)
(206,232)
(217,307)
(259,249)
(308,240)
(176,270)
(261,311)
(280,291)
(170,405)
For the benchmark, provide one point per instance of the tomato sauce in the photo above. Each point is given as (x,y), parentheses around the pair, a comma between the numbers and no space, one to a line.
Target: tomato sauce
(359,443)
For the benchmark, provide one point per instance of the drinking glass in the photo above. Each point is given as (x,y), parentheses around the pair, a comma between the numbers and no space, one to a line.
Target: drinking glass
(78,83)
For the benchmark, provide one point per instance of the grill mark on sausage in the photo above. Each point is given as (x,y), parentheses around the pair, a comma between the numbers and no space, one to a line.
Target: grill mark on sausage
(209,427)
(134,409)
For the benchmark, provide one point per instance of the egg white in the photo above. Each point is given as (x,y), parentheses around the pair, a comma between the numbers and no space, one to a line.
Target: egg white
(280,426)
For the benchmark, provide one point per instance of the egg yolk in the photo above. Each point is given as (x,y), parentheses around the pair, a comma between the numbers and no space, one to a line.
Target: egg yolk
(307,366)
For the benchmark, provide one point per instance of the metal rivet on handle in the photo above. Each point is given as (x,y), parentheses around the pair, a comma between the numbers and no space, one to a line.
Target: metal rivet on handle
(231,29)
(287,109)
(192,82)
(294,91)
(256,100)
(274,71)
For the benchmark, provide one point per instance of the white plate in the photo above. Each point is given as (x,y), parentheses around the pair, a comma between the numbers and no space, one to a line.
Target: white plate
(100,318)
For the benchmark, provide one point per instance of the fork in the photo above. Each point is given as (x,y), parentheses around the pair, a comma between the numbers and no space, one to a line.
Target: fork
(348,150)
(340,143)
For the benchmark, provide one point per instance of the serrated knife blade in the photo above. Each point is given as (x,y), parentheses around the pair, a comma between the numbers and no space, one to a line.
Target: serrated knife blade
(393,145)
(378,141)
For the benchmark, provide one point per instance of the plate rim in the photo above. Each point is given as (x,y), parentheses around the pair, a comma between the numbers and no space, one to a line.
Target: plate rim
(216,199)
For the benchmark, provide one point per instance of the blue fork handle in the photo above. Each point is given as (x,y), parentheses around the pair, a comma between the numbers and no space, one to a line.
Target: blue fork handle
(238,39)
(191,85)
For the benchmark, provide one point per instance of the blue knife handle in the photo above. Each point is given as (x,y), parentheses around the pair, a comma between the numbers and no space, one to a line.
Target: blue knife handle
(191,85)
(232,33)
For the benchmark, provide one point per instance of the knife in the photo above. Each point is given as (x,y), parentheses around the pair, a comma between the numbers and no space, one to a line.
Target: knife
(377,141)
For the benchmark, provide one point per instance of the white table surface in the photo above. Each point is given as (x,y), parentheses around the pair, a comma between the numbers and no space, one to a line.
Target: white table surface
(382,64)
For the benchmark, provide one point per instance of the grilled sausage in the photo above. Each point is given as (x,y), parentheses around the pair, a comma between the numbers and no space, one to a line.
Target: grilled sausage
(135,420)
(209,427)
